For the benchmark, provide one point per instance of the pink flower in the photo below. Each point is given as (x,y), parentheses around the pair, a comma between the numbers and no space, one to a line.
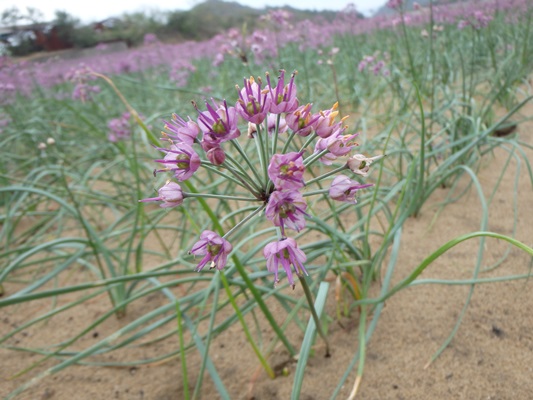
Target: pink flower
(218,123)
(272,120)
(286,209)
(286,171)
(285,253)
(253,104)
(301,120)
(182,159)
(344,189)
(337,144)
(283,98)
(214,248)
(216,156)
(325,123)
(182,131)
(170,194)
(119,128)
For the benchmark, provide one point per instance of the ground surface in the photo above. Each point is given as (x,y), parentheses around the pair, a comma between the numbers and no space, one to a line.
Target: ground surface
(490,357)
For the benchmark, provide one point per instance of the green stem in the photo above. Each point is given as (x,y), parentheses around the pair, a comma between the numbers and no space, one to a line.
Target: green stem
(319,178)
(309,298)
(219,196)
(244,221)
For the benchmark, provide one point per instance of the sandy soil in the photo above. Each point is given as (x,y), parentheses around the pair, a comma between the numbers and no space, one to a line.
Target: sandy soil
(490,357)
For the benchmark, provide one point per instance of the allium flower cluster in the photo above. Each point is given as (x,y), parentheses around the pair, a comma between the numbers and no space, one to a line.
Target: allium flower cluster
(374,64)
(273,175)
(119,128)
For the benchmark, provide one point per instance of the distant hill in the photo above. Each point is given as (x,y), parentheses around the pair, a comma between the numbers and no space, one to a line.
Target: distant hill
(213,16)
(408,5)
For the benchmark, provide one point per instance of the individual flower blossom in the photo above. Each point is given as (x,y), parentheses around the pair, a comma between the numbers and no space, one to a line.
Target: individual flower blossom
(182,159)
(253,104)
(301,120)
(50,141)
(286,209)
(286,171)
(360,164)
(283,97)
(325,123)
(338,145)
(218,123)
(214,248)
(181,130)
(285,253)
(272,120)
(170,194)
(344,189)
(41,146)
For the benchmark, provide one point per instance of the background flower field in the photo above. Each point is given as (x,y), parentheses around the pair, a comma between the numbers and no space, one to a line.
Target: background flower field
(421,287)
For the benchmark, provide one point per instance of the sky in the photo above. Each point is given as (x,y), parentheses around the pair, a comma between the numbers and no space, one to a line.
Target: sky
(95,10)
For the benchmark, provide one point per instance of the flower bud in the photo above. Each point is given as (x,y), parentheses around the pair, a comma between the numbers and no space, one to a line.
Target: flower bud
(216,156)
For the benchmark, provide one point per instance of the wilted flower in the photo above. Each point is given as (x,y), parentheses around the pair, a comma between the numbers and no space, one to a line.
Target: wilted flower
(344,189)
(170,194)
(182,159)
(285,253)
(286,171)
(214,248)
(360,164)
(286,209)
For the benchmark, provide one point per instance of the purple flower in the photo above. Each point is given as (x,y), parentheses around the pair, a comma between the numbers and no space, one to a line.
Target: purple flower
(119,128)
(301,120)
(338,145)
(286,209)
(283,97)
(170,194)
(216,156)
(218,123)
(181,130)
(344,189)
(214,248)
(83,92)
(325,123)
(286,171)
(253,104)
(285,252)
(272,120)
(182,159)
